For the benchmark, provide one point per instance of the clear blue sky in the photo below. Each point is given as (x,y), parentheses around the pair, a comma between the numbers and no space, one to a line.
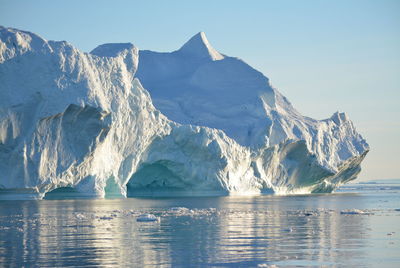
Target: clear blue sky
(323,55)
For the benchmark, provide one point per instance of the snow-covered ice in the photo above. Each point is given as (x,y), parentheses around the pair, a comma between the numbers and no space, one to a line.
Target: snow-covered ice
(217,126)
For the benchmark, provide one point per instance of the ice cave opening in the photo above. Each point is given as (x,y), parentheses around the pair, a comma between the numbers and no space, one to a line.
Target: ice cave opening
(62,193)
(156,179)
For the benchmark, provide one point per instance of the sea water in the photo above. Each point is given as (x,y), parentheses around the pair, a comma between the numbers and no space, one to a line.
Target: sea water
(359,226)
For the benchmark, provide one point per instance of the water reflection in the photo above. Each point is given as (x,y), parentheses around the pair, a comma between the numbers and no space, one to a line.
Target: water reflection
(228,231)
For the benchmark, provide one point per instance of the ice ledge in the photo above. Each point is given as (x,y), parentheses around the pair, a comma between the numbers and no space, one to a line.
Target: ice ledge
(127,51)
(112,49)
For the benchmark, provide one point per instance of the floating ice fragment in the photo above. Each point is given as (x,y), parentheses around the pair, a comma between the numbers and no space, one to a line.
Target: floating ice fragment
(289,230)
(355,212)
(147,218)
(179,209)
(79,216)
(264,265)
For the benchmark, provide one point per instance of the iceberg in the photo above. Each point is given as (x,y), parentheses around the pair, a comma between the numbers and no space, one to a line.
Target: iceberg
(119,121)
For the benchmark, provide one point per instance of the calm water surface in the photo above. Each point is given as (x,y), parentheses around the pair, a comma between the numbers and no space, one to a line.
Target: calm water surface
(286,231)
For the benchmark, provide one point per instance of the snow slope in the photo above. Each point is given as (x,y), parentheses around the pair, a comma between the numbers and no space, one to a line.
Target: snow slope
(84,120)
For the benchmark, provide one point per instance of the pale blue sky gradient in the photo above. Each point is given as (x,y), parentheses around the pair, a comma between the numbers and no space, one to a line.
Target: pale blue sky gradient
(323,55)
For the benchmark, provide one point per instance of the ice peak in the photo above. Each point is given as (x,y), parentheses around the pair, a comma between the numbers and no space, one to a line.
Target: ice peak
(339,118)
(199,46)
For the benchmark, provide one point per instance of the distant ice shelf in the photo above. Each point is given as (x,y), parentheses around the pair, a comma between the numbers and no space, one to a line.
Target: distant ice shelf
(123,122)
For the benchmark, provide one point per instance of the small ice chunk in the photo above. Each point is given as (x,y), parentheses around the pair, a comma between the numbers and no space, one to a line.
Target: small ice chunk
(147,218)
(80,216)
(289,230)
(265,265)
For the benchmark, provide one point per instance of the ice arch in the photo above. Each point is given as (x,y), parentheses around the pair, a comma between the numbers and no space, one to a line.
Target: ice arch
(62,193)
(158,178)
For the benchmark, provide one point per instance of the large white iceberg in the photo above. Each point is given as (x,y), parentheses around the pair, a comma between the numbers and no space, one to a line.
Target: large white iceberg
(84,120)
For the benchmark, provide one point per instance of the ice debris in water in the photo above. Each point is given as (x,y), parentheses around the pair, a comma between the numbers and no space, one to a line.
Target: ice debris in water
(179,210)
(264,265)
(355,212)
(84,216)
(289,230)
(147,218)
(80,216)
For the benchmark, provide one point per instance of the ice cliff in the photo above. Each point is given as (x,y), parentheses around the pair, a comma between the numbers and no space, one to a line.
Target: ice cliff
(87,121)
